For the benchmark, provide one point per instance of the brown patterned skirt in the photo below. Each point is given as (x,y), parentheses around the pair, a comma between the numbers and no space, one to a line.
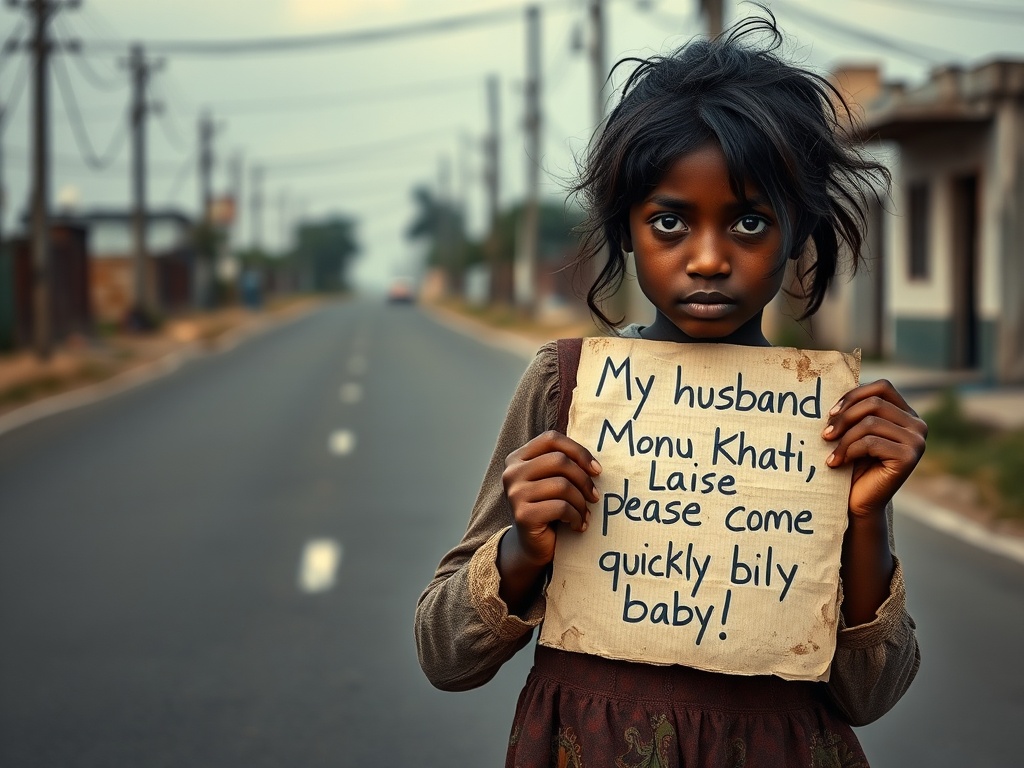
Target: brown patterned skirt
(578,710)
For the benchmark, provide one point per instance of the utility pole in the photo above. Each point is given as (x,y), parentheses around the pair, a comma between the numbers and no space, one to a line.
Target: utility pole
(206,133)
(145,283)
(713,12)
(526,262)
(207,244)
(41,13)
(256,206)
(282,217)
(493,181)
(461,207)
(3,192)
(598,64)
(236,167)
(446,234)
(617,304)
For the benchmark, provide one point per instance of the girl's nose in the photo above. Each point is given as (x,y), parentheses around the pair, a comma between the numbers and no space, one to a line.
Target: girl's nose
(707,254)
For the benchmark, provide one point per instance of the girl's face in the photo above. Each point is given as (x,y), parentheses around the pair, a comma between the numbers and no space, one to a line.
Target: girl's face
(708,261)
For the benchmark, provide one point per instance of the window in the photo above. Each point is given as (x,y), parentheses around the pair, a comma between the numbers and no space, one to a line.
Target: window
(918,231)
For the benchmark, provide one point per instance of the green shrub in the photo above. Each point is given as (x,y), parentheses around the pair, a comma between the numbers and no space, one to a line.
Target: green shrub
(947,422)
(1009,463)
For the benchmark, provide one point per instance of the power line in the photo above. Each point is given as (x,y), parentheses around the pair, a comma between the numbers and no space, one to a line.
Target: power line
(14,98)
(325,40)
(85,147)
(181,176)
(986,11)
(95,79)
(344,154)
(11,44)
(925,53)
(338,100)
(168,125)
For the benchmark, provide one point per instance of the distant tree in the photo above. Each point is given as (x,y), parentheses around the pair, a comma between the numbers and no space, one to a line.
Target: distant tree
(208,240)
(556,235)
(324,251)
(440,225)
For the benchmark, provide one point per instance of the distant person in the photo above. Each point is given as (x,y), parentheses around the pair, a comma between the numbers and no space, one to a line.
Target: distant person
(252,288)
(720,163)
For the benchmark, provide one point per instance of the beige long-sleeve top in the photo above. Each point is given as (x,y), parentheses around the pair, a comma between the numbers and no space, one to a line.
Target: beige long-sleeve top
(464,631)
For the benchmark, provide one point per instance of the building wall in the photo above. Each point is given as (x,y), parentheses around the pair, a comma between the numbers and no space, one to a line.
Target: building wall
(112,288)
(1007,219)
(922,308)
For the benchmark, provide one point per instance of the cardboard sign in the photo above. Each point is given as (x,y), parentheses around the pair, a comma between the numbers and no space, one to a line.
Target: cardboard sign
(716,539)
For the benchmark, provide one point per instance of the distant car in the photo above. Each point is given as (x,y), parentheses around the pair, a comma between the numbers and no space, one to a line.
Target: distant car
(400,291)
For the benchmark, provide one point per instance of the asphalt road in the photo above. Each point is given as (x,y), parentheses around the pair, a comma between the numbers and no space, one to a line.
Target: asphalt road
(152,611)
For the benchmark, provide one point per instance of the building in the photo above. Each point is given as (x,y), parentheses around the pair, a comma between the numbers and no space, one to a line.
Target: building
(942,280)
(954,244)
(112,261)
(70,312)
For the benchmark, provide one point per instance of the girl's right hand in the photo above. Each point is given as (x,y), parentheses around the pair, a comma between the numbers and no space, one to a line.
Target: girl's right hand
(549,480)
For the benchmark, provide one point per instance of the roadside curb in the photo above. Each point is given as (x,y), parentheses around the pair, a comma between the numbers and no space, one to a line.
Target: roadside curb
(142,374)
(485,334)
(908,503)
(956,525)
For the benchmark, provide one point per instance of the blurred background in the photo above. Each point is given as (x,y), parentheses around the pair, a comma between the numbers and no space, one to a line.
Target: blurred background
(268,276)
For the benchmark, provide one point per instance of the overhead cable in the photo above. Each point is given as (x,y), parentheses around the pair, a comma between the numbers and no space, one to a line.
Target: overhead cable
(10,45)
(345,99)
(925,53)
(82,64)
(324,40)
(168,125)
(10,104)
(89,155)
(188,164)
(993,12)
(345,154)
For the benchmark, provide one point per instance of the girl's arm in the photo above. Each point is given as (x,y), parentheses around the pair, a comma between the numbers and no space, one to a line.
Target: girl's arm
(876,431)
(464,629)
(547,481)
(877,654)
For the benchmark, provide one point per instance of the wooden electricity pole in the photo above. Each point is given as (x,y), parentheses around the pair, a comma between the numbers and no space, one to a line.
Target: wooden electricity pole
(498,289)
(598,64)
(713,12)
(204,277)
(256,206)
(40,46)
(145,283)
(527,255)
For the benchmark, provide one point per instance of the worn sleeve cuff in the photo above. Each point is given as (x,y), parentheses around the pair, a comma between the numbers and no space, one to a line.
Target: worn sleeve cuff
(484,582)
(890,618)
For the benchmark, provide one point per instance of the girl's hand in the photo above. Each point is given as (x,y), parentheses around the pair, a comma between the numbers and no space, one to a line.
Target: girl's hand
(547,481)
(882,436)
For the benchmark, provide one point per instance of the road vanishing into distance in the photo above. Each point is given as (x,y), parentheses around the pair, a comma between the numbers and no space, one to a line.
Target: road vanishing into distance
(219,568)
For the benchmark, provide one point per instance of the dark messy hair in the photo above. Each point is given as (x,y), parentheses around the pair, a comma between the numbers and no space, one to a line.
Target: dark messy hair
(780,127)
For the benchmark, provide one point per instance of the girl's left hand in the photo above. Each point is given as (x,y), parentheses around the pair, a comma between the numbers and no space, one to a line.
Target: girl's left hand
(882,436)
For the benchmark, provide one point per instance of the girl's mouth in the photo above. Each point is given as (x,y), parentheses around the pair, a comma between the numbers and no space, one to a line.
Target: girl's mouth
(705,305)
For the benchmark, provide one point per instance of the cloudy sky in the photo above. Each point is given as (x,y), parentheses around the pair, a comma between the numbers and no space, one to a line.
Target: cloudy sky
(353,127)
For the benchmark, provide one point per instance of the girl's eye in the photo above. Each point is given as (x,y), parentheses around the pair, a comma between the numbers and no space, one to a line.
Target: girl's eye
(668,223)
(751,225)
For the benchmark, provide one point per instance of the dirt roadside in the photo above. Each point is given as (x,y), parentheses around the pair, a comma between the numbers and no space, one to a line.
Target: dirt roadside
(83,362)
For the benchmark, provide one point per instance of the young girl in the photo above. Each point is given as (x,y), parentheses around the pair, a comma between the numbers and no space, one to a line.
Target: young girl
(720,164)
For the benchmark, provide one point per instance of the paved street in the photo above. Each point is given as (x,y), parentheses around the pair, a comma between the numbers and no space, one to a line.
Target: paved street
(169,596)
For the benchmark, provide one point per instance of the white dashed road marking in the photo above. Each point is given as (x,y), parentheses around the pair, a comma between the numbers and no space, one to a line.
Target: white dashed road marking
(342,442)
(350,393)
(320,561)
